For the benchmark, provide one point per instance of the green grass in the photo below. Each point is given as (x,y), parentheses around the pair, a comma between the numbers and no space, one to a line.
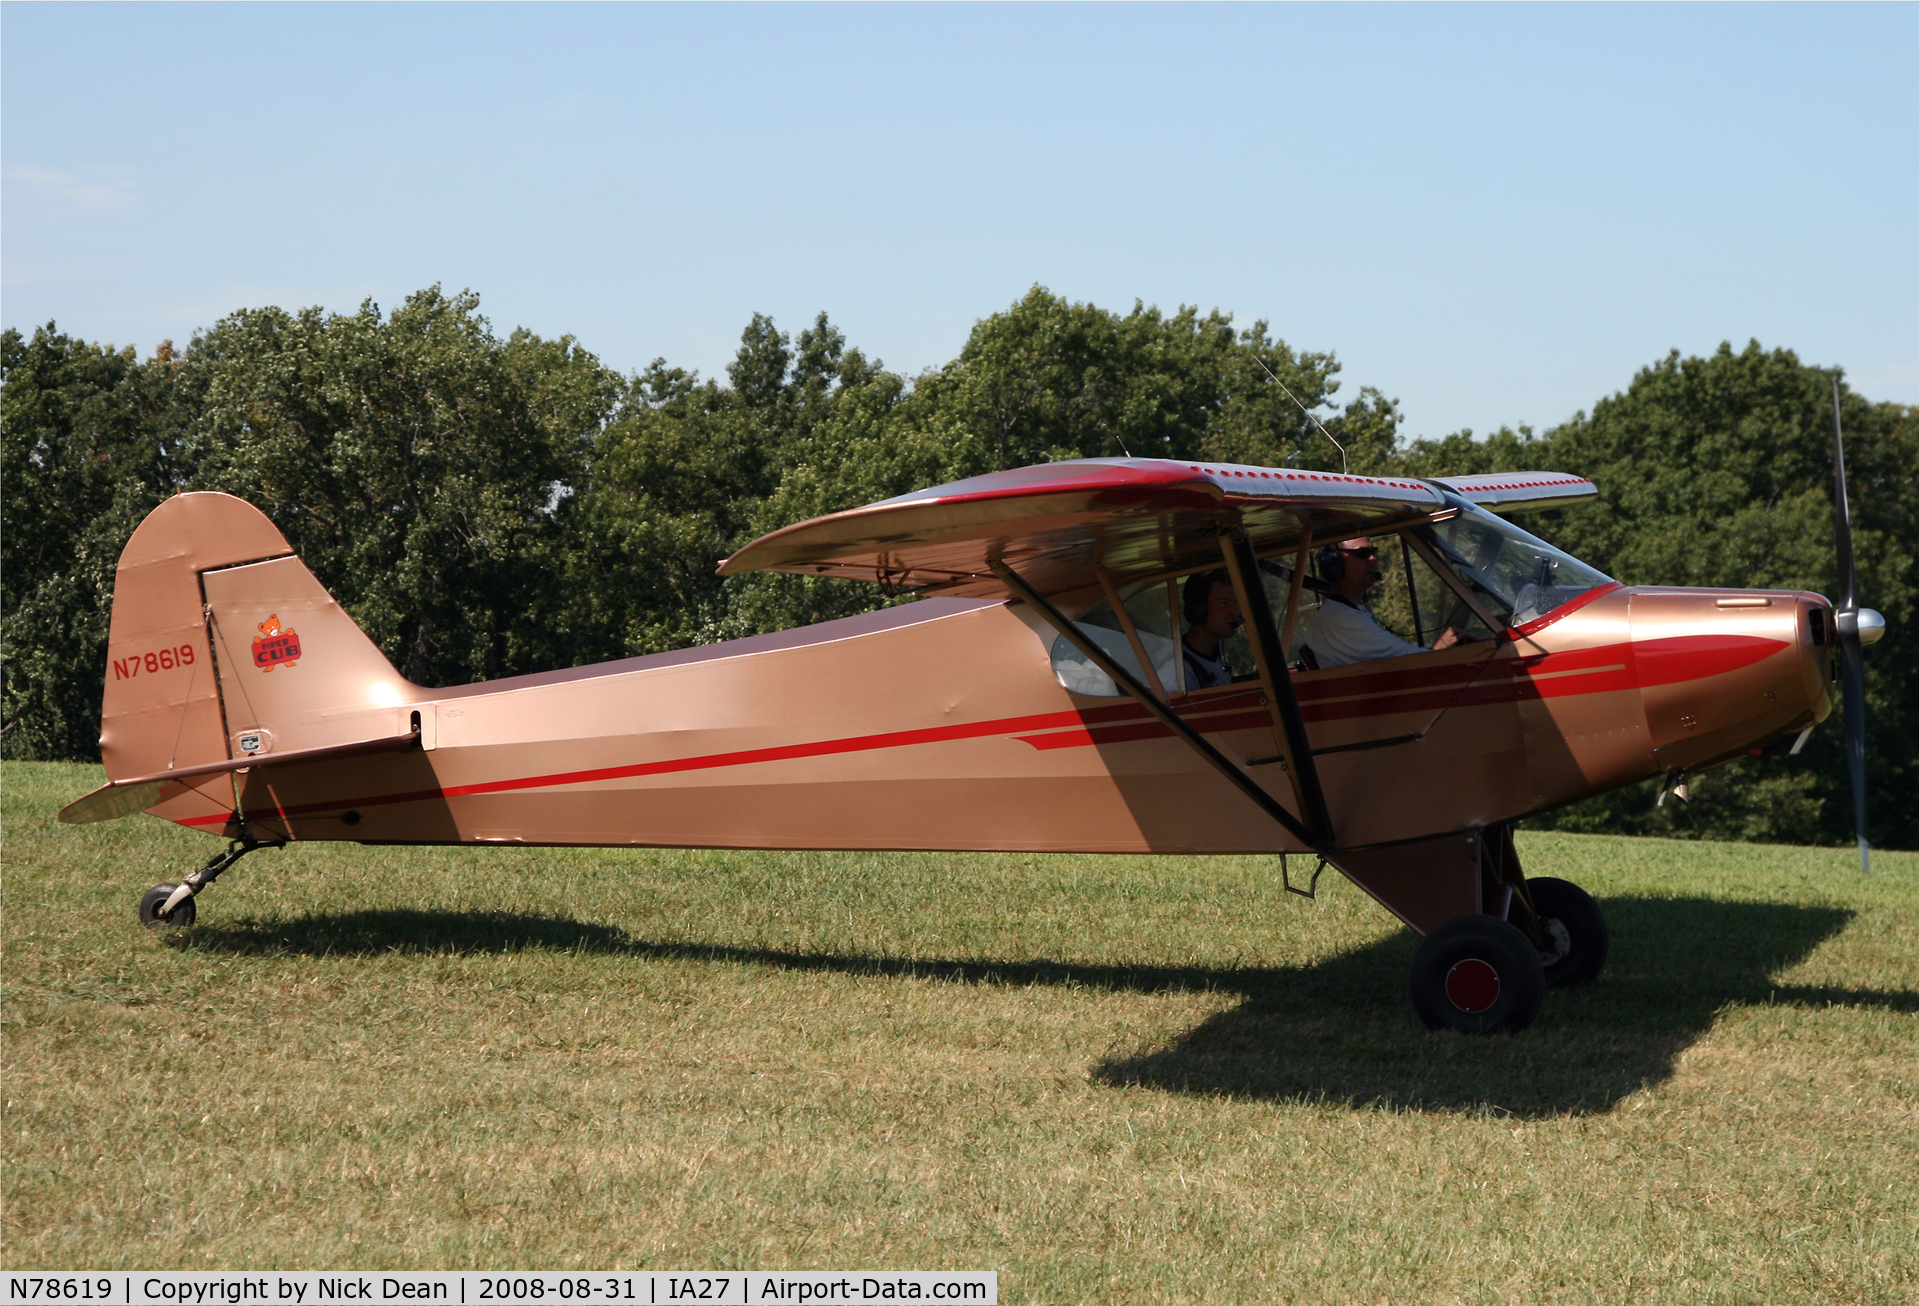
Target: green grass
(1106,1077)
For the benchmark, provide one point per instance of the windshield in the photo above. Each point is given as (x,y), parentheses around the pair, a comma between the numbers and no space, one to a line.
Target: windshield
(1520,576)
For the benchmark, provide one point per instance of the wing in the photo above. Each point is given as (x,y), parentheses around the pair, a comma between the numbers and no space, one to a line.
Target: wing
(1520,491)
(1055,522)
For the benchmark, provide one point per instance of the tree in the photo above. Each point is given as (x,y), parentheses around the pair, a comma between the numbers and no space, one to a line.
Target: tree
(671,484)
(422,467)
(92,440)
(1047,379)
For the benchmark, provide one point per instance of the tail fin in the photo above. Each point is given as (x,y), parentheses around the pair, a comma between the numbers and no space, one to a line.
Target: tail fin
(223,643)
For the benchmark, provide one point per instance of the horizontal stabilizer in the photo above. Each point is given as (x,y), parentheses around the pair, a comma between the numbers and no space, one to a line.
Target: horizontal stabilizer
(119,798)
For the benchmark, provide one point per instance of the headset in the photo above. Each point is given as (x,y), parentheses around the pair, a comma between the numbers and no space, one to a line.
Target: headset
(1199,590)
(1332,563)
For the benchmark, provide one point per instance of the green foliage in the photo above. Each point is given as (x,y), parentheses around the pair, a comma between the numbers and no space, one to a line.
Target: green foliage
(669,486)
(689,471)
(422,467)
(1045,380)
(488,506)
(92,441)
(1049,379)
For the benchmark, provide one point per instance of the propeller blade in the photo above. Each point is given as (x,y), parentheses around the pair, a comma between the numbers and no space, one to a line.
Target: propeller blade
(1852,669)
(1852,679)
(1841,509)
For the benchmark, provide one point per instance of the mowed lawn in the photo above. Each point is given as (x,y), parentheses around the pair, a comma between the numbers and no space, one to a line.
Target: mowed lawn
(1123,1078)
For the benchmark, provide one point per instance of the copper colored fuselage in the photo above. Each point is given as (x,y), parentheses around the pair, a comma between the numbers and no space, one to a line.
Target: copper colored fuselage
(938,725)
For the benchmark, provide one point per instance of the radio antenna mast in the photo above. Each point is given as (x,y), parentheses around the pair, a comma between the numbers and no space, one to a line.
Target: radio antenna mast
(1302,408)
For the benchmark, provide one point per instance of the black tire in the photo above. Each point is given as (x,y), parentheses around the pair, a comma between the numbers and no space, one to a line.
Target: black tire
(1478,975)
(1576,929)
(153,899)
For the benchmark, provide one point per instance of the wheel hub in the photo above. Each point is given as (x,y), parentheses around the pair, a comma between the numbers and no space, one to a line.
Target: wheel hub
(1472,985)
(1560,939)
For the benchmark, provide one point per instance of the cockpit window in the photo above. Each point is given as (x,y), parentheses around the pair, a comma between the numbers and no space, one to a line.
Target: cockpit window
(1520,577)
(1513,577)
(1148,606)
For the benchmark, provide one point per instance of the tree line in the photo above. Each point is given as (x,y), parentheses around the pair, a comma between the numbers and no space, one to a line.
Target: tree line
(488,505)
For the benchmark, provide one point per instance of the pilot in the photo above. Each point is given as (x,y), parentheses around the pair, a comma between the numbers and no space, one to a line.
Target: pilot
(1212,613)
(1345,631)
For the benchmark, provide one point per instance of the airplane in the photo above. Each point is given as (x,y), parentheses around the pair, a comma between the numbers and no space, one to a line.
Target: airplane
(1030,693)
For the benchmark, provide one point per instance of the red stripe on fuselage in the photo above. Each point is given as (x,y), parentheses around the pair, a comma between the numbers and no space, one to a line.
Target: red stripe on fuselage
(1606,669)
(1148,729)
(1679,658)
(745,757)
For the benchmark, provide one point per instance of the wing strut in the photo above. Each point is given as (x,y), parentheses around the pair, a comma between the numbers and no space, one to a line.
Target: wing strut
(1161,711)
(1270,656)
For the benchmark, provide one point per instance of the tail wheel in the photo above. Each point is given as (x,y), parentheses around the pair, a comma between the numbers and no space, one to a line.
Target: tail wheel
(155,898)
(1575,931)
(1477,975)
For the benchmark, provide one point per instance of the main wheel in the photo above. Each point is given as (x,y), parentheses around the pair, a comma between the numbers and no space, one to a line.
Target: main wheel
(1575,928)
(1478,975)
(153,899)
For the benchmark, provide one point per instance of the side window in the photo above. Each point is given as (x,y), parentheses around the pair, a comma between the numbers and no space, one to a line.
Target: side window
(1474,553)
(1148,608)
(1440,606)
(1236,650)
(1414,603)
(1410,600)
(1278,575)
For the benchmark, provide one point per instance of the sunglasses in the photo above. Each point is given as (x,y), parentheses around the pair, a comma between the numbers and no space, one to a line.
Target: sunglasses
(1368,552)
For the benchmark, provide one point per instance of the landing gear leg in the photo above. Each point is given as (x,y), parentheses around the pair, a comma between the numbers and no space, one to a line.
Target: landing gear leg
(1561,919)
(1575,931)
(170,906)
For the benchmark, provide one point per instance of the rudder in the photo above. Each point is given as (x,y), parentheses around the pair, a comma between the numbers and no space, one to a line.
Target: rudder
(296,672)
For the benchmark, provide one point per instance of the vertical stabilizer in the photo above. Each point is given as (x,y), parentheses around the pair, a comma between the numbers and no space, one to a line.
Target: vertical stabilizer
(161,708)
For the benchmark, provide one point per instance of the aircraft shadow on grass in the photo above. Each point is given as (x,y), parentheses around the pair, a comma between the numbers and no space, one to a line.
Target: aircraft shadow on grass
(1335,1030)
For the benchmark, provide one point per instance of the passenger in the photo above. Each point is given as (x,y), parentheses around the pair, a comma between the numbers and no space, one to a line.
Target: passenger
(1212,613)
(1345,631)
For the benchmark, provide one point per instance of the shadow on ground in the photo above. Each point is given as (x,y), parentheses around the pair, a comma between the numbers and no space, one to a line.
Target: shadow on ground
(1339,1030)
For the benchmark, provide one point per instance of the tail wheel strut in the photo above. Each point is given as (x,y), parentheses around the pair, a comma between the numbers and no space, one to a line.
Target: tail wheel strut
(170,906)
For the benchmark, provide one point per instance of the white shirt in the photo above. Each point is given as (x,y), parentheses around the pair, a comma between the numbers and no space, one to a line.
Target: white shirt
(1204,672)
(1345,633)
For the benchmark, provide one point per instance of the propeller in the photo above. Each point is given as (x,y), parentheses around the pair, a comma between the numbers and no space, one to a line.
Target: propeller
(1855,627)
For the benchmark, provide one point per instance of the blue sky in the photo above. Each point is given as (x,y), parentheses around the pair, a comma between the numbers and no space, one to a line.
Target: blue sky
(1496,214)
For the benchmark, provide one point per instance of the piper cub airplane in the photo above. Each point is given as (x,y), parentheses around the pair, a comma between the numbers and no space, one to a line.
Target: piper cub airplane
(1038,695)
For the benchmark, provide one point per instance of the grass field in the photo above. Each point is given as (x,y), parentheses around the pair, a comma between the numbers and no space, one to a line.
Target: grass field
(1105,1077)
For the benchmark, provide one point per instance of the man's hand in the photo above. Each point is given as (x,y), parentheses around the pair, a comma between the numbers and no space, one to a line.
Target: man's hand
(1449,637)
